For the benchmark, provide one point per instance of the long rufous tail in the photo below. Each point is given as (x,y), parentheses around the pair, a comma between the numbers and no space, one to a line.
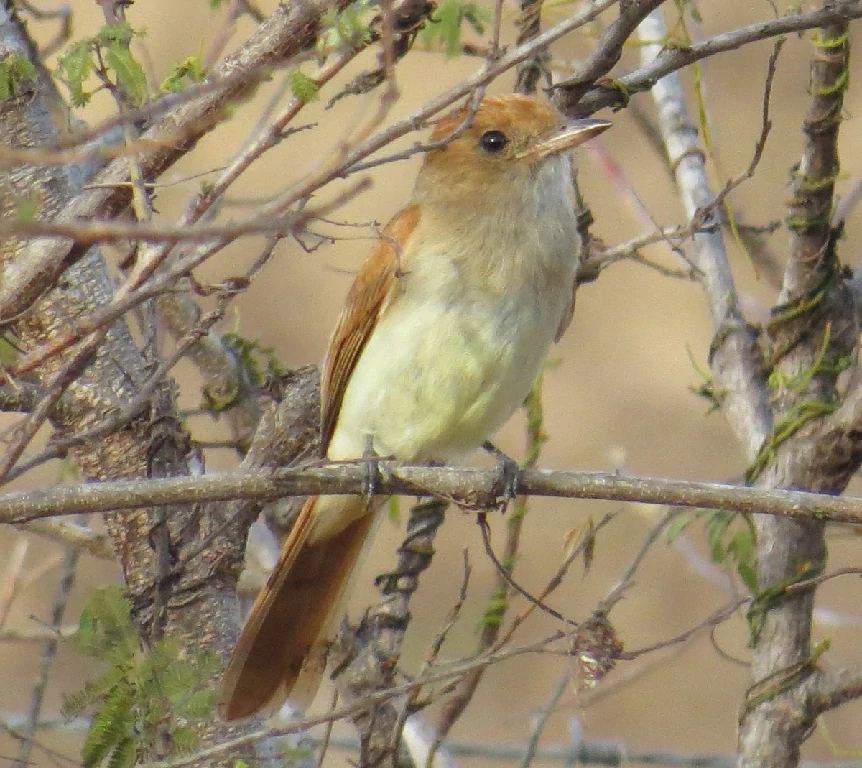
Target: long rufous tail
(278,654)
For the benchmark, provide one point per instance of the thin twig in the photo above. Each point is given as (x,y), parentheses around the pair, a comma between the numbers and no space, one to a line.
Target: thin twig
(49,651)
(542,719)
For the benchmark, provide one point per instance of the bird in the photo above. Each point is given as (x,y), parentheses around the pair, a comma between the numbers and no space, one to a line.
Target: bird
(441,338)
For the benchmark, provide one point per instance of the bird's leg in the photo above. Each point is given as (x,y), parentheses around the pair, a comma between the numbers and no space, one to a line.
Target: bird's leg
(510,472)
(371,462)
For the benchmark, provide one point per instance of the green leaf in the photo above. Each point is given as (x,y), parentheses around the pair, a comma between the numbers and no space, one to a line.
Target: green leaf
(348,29)
(28,208)
(9,352)
(130,75)
(303,87)
(112,724)
(74,67)
(192,69)
(124,754)
(742,548)
(445,26)
(197,705)
(115,34)
(476,16)
(248,351)
(15,70)
(393,509)
(146,693)
(184,740)
(719,522)
(677,527)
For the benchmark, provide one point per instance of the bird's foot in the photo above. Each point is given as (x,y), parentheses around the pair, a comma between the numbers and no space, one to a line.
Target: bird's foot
(371,462)
(510,473)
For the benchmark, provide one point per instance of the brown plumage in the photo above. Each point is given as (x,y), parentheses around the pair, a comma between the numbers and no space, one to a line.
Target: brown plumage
(441,337)
(293,613)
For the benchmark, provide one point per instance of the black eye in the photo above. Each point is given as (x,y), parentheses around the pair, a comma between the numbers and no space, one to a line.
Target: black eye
(493,142)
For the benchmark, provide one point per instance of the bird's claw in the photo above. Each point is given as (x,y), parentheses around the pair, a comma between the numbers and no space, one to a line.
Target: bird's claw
(510,473)
(371,463)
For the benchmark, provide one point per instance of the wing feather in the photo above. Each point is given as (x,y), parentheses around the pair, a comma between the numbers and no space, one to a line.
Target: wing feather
(369,296)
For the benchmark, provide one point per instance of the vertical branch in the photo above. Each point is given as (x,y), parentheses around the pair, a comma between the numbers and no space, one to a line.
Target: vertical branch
(811,331)
(809,336)
(734,356)
(366,656)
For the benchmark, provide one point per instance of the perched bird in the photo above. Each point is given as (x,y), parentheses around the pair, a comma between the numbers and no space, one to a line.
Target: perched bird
(440,340)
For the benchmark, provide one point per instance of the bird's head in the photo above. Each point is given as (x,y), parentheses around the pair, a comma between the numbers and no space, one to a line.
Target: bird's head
(508,139)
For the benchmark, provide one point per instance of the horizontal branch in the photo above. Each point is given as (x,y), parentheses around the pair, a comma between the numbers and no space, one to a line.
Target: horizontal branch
(38,634)
(71,534)
(674,57)
(471,487)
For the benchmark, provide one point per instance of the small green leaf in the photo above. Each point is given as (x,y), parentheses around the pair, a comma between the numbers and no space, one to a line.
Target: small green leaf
(303,87)
(742,548)
(675,529)
(130,75)
(248,351)
(184,740)
(192,69)
(9,352)
(445,26)
(394,510)
(15,70)
(348,29)
(719,522)
(115,34)
(27,208)
(74,67)
(124,754)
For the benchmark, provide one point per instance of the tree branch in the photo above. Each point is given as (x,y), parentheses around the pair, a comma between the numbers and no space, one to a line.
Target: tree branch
(617,92)
(289,30)
(471,487)
(734,356)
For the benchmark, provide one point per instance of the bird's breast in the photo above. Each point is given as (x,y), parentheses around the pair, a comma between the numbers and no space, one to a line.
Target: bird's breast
(453,356)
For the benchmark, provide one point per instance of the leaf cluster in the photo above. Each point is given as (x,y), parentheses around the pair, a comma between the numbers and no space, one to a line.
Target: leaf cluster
(447,21)
(15,71)
(106,56)
(348,29)
(186,72)
(146,696)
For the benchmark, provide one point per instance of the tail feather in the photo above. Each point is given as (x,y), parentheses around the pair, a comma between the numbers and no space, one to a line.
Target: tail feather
(277,655)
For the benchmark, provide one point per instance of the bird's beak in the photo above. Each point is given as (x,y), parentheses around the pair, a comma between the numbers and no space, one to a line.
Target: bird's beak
(574,134)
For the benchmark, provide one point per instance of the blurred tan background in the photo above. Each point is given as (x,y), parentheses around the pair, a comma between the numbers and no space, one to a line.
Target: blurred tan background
(617,398)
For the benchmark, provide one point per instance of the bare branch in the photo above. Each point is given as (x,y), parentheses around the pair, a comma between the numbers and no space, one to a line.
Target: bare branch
(470,487)
(735,356)
(289,30)
(670,59)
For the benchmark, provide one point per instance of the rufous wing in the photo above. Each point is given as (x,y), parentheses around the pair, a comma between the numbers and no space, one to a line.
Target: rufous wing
(369,296)
(276,656)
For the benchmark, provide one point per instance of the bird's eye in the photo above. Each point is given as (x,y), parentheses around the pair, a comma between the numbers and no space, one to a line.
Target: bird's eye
(493,142)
